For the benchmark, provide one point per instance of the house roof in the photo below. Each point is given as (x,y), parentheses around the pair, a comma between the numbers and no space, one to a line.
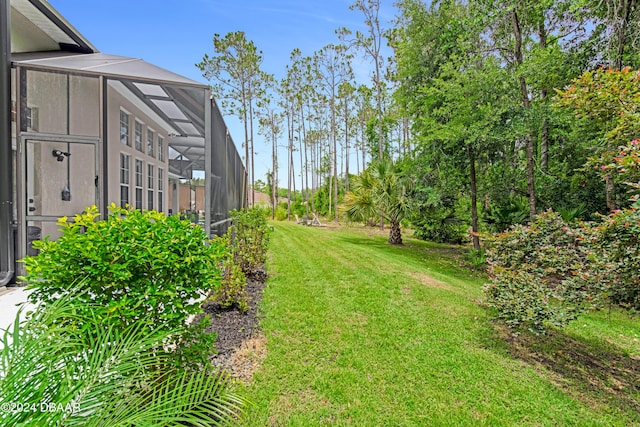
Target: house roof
(36,26)
(42,39)
(113,66)
(178,101)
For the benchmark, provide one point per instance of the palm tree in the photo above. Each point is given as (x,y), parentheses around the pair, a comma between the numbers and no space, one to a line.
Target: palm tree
(379,190)
(80,372)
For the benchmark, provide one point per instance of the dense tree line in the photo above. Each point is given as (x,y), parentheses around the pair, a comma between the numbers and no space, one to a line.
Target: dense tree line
(469,109)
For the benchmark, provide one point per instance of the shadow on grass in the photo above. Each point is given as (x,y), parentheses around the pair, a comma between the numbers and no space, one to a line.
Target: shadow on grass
(592,370)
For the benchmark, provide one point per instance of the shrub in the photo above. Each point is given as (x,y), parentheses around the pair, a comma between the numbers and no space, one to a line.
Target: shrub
(247,241)
(540,274)
(232,290)
(476,258)
(548,272)
(250,235)
(138,265)
(618,241)
(281,213)
(441,229)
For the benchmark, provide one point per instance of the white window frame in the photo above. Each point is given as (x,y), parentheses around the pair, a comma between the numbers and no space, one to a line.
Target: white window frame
(160,148)
(150,185)
(125,170)
(139,184)
(160,190)
(125,128)
(151,139)
(138,131)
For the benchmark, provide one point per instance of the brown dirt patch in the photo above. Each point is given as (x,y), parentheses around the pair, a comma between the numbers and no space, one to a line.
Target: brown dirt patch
(248,357)
(431,282)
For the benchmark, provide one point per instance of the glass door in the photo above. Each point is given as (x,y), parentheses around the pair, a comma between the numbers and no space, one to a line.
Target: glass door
(61,180)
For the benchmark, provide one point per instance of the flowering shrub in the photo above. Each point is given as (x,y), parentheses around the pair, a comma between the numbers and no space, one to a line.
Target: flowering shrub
(539,273)
(618,240)
(549,271)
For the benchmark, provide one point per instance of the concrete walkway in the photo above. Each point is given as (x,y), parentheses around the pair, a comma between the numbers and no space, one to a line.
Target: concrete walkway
(8,308)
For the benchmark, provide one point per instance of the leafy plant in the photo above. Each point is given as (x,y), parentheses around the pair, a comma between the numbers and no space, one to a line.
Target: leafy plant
(281,213)
(137,265)
(618,240)
(249,239)
(232,290)
(441,226)
(571,214)
(540,274)
(92,372)
(499,217)
(477,258)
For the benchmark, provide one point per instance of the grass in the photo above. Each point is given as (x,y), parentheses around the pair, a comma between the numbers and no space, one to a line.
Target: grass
(362,333)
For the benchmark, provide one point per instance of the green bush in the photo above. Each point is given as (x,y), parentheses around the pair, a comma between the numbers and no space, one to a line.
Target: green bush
(617,239)
(441,227)
(281,213)
(138,265)
(250,235)
(232,291)
(542,274)
(476,258)
(247,241)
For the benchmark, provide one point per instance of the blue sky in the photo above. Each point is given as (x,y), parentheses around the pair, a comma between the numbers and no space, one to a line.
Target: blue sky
(176,34)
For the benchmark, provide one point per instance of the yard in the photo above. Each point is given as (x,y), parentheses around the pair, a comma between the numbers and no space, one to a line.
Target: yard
(359,332)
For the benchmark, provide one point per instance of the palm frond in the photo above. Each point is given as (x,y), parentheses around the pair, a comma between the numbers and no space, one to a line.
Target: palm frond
(106,376)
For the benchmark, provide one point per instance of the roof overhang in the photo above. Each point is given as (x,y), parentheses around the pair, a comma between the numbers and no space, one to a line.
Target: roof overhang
(36,26)
(178,102)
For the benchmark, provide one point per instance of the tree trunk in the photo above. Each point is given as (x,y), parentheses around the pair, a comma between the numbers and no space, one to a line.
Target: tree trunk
(544,134)
(246,138)
(395,234)
(335,162)
(290,162)
(474,199)
(621,28)
(306,164)
(253,177)
(274,175)
(610,193)
(364,147)
(346,153)
(531,190)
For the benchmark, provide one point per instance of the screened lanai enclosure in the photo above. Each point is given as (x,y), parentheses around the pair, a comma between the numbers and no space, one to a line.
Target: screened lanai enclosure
(84,128)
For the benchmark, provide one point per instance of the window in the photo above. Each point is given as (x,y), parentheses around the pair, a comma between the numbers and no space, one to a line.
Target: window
(124,180)
(139,136)
(160,148)
(32,119)
(124,128)
(150,187)
(160,189)
(150,142)
(138,183)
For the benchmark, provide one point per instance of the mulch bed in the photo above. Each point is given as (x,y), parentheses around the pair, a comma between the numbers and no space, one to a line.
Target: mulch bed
(235,331)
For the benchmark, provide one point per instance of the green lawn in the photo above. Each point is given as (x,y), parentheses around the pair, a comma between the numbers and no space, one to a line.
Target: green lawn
(362,333)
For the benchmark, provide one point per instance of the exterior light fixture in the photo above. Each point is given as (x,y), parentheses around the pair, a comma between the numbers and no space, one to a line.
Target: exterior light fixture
(60,155)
